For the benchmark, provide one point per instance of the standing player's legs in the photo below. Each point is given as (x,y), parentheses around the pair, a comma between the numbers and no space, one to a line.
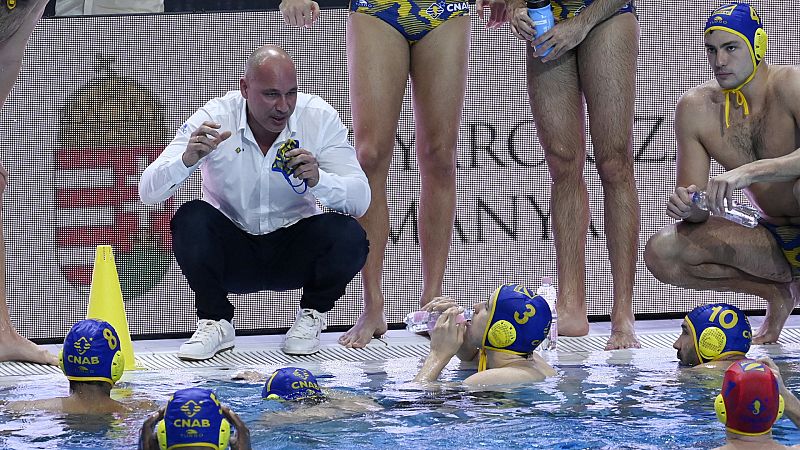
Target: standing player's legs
(720,255)
(557,107)
(378,67)
(14,347)
(607,67)
(439,66)
(17,26)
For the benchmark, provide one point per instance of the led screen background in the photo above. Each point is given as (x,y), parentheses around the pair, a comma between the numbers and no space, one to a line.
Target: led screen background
(99,97)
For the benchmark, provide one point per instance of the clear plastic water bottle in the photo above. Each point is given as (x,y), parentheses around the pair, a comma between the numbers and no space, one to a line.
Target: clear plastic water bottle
(541,14)
(738,213)
(424,321)
(548,292)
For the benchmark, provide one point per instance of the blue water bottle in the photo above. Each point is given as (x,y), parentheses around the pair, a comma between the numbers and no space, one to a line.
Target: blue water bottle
(541,14)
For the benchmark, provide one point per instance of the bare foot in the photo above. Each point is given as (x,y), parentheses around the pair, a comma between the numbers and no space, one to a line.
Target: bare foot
(778,310)
(367,326)
(622,339)
(623,334)
(14,347)
(572,323)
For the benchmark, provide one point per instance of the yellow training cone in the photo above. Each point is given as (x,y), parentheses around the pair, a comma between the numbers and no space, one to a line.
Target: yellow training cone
(105,300)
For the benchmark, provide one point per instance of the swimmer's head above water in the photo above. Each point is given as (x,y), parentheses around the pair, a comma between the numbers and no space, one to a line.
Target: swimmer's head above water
(92,353)
(513,321)
(193,418)
(292,384)
(749,403)
(713,332)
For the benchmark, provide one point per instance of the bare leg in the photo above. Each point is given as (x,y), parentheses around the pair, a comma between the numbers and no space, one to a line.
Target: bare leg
(378,67)
(722,256)
(439,64)
(557,108)
(607,65)
(14,347)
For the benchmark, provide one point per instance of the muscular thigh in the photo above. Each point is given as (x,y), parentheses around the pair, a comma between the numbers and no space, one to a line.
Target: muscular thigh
(607,68)
(557,105)
(378,65)
(718,241)
(439,67)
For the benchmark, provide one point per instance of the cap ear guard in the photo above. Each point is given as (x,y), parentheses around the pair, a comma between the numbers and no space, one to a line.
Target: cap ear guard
(161,432)
(719,407)
(760,44)
(117,366)
(61,361)
(224,434)
(711,343)
(722,416)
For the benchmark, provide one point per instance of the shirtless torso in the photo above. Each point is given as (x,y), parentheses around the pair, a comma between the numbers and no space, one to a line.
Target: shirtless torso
(760,153)
(770,131)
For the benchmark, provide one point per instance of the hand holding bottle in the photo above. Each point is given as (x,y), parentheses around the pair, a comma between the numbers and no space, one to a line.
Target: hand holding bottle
(447,335)
(719,191)
(733,211)
(680,205)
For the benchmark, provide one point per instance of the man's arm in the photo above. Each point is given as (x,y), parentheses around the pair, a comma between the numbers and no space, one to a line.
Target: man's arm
(693,162)
(772,170)
(446,338)
(179,159)
(342,184)
(13,48)
(299,13)
(502,375)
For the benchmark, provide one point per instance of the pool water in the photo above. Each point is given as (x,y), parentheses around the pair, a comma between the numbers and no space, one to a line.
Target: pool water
(636,399)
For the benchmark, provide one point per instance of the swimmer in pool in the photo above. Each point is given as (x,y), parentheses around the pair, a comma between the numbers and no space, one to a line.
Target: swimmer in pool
(305,399)
(194,419)
(713,336)
(746,119)
(92,362)
(503,334)
(752,399)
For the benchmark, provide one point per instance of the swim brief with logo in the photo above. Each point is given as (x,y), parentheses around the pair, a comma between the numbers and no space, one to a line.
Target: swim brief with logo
(412,18)
(788,239)
(567,9)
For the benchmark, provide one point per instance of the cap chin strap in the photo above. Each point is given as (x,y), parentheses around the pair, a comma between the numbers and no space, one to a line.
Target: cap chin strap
(740,98)
(482,360)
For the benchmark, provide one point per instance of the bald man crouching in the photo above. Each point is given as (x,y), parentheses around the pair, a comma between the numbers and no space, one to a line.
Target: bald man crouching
(267,154)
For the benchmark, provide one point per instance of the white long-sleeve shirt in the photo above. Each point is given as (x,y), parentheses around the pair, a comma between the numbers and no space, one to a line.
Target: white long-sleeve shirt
(238,179)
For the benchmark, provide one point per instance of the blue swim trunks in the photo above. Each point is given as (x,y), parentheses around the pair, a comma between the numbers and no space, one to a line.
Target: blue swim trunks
(567,9)
(412,18)
(788,239)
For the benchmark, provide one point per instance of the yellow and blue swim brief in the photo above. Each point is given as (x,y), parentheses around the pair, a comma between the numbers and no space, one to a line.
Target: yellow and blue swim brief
(412,18)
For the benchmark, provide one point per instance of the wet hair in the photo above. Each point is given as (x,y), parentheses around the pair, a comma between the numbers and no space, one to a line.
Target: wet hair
(73,385)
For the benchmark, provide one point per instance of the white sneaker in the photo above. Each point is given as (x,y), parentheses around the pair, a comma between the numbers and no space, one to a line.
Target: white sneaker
(211,337)
(303,337)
